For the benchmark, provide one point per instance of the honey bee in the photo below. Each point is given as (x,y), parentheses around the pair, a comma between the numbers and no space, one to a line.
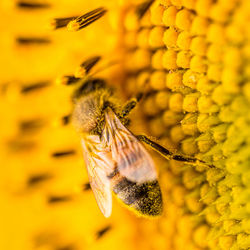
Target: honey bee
(115,158)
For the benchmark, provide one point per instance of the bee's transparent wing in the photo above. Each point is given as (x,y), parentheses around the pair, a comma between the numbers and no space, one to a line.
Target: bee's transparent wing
(133,161)
(97,164)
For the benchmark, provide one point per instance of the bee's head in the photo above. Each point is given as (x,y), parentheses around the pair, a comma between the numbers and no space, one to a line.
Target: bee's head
(88,114)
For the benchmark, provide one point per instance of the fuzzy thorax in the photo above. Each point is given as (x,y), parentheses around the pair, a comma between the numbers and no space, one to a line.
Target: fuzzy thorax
(88,114)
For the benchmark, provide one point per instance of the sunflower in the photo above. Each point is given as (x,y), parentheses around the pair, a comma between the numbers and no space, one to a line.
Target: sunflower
(190,58)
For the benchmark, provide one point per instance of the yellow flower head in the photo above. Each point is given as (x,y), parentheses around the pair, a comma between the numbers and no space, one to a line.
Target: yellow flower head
(189,58)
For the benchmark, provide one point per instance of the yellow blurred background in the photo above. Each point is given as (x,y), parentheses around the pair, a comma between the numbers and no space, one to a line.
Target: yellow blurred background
(193,57)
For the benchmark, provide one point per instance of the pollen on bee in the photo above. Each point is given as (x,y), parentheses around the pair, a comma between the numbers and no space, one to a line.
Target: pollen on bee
(86,19)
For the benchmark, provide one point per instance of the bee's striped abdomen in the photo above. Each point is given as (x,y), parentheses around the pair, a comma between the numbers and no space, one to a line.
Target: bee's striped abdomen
(146,198)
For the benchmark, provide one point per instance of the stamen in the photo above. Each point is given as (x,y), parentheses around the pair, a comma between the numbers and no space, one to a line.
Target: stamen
(67,80)
(31,6)
(86,19)
(32,40)
(36,179)
(21,145)
(63,153)
(86,66)
(58,23)
(142,8)
(102,232)
(37,86)
(56,199)
(67,247)
(30,125)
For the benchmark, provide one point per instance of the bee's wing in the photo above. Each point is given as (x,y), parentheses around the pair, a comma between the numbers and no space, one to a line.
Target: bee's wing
(133,161)
(98,165)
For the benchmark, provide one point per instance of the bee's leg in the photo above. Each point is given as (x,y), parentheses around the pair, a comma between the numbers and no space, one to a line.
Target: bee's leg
(171,156)
(130,105)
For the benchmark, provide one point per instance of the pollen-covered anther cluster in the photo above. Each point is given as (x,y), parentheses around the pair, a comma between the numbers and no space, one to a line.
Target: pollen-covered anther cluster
(192,60)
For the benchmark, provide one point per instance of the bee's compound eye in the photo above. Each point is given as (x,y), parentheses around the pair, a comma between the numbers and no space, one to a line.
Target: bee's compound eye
(85,114)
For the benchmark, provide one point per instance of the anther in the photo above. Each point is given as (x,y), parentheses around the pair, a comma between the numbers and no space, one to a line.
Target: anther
(21,145)
(86,66)
(30,125)
(58,23)
(142,8)
(86,19)
(32,40)
(37,179)
(67,80)
(66,247)
(63,153)
(102,232)
(56,199)
(31,5)
(32,87)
